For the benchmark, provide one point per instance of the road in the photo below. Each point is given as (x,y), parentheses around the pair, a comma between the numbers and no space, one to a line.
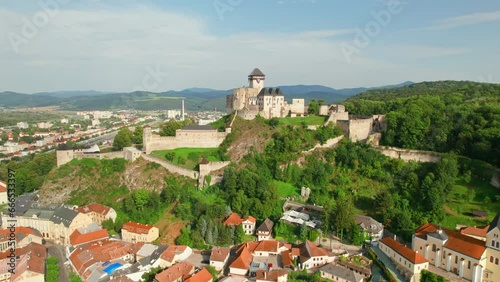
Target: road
(58,252)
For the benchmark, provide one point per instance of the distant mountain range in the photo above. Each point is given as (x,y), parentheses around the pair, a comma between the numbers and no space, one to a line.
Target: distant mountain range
(195,98)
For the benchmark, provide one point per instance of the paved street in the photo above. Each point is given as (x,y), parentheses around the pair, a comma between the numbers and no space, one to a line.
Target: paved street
(58,252)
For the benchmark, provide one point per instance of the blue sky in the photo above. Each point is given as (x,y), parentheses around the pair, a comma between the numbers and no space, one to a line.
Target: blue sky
(126,45)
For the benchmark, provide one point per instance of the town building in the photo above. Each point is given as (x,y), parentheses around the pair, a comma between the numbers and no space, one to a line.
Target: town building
(371,228)
(452,251)
(30,264)
(3,193)
(475,232)
(219,257)
(137,232)
(265,230)
(89,234)
(173,254)
(492,272)
(98,213)
(22,125)
(175,273)
(274,275)
(201,276)
(247,223)
(23,237)
(338,273)
(409,262)
(311,255)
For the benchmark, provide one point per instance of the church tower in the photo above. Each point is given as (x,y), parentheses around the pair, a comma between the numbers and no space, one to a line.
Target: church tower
(256,79)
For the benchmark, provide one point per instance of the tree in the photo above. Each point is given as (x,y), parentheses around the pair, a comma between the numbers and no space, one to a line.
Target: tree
(123,139)
(141,198)
(184,238)
(274,122)
(303,232)
(313,107)
(52,273)
(150,276)
(239,234)
(138,134)
(343,215)
(213,272)
(170,156)
(74,277)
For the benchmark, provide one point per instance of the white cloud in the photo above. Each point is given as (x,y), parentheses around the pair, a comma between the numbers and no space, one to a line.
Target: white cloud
(465,20)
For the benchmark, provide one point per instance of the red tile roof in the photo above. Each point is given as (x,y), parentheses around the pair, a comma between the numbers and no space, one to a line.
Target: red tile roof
(475,231)
(463,244)
(137,228)
(267,246)
(407,253)
(94,207)
(243,260)
(21,233)
(77,238)
(270,275)
(32,258)
(219,254)
(175,272)
(201,276)
(176,249)
(235,219)
(286,258)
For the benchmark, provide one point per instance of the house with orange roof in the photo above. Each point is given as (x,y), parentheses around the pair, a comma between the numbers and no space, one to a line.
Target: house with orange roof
(492,272)
(3,192)
(137,232)
(241,265)
(30,264)
(175,273)
(98,213)
(311,255)
(80,237)
(452,251)
(410,262)
(23,237)
(274,275)
(173,254)
(200,276)
(219,257)
(247,223)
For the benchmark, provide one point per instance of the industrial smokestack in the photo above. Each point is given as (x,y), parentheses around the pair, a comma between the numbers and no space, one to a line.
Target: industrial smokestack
(182,111)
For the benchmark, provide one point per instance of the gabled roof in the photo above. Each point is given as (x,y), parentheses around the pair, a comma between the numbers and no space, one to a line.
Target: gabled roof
(344,273)
(137,228)
(63,215)
(309,250)
(368,224)
(235,219)
(270,275)
(219,254)
(175,272)
(475,231)
(243,260)
(21,233)
(267,246)
(455,241)
(407,253)
(495,223)
(3,187)
(94,207)
(266,226)
(77,238)
(201,276)
(256,72)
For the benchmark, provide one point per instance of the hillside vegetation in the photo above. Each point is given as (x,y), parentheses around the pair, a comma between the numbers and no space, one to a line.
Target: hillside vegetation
(444,116)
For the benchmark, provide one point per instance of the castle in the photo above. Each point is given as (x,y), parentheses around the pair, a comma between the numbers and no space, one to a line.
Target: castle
(255,100)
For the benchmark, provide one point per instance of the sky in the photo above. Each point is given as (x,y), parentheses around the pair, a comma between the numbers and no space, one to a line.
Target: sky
(153,45)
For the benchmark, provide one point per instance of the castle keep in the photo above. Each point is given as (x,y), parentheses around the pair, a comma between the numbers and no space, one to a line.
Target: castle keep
(258,100)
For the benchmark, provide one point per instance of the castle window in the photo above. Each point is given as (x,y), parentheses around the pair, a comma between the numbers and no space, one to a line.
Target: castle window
(456,259)
(497,244)
(433,247)
(493,243)
(468,266)
(496,261)
(491,259)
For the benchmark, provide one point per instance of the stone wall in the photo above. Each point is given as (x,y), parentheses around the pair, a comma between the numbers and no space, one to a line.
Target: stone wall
(206,169)
(360,128)
(173,168)
(65,156)
(183,139)
(328,144)
(409,155)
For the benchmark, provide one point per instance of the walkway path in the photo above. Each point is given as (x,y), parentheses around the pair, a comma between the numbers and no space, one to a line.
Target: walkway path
(172,168)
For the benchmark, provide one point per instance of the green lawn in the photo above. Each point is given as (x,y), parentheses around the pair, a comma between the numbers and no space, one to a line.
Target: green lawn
(190,155)
(468,197)
(309,120)
(286,190)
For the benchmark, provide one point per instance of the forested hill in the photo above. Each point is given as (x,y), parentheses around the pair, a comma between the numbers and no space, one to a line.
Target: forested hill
(443,116)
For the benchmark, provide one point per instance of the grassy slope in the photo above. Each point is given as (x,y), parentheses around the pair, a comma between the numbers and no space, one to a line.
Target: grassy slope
(309,120)
(209,153)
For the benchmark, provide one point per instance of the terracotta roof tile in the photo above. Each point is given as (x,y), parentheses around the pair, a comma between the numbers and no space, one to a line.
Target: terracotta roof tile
(175,272)
(3,187)
(201,276)
(77,238)
(137,228)
(475,231)
(94,207)
(235,219)
(219,254)
(267,246)
(407,253)
(270,275)
(243,260)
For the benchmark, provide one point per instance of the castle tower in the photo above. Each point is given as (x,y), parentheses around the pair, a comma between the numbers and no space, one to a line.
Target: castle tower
(256,79)
(146,138)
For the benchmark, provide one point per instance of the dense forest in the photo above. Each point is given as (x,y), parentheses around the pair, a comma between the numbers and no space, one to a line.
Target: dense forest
(445,116)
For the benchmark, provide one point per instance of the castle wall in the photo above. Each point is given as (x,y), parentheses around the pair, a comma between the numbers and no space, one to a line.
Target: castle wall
(64,156)
(297,107)
(360,128)
(334,117)
(185,139)
(206,169)
(172,168)
(409,155)
(328,144)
